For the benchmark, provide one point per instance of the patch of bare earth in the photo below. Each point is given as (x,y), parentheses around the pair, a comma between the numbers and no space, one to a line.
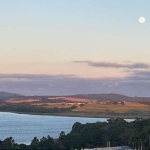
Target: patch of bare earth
(22,101)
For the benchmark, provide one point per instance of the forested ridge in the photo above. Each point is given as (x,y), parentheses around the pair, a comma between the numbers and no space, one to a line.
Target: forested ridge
(117,131)
(27,108)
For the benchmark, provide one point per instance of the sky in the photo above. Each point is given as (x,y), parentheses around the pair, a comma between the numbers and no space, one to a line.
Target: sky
(58,47)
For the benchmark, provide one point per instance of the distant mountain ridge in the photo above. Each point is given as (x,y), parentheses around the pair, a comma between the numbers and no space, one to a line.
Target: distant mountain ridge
(111,97)
(7,94)
(98,97)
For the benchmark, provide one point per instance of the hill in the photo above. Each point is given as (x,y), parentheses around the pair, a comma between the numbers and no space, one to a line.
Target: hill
(110,97)
(77,97)
(6,95)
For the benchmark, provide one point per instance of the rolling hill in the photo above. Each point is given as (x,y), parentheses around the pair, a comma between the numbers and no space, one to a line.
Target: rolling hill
(6,95)
(110,97)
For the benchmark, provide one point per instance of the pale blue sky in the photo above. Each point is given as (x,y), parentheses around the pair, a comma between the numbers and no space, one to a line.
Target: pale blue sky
(50,36)
(84,29)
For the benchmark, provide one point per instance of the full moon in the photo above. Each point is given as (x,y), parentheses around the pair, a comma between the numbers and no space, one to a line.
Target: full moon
(141,19)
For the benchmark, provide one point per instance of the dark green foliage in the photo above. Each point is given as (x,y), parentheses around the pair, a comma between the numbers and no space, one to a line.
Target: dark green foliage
(122,103)
(8,143)
(46,143)
(34,143)
(28,108)
(81,105)
(61,135)
(54,100)
(23,146)
(117,131)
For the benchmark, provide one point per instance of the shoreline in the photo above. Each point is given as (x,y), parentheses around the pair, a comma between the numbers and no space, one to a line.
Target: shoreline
(82,115)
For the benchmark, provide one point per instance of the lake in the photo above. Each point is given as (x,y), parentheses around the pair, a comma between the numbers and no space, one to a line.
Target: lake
(23,128)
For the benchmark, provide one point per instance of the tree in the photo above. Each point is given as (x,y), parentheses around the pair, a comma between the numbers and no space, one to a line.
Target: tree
(34,143)
(122,103)
(8,143)
(61,135)
(46,143)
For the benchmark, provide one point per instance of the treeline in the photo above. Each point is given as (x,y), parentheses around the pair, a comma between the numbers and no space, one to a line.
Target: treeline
(118,132)
(28,108)
(110,97)
(45,143)
(54,100)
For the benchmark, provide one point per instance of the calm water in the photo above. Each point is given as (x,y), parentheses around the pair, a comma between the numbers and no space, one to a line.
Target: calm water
(23,128)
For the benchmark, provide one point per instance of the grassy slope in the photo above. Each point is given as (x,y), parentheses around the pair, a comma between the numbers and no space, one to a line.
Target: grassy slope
(129,110)
(112,108)
(92,109)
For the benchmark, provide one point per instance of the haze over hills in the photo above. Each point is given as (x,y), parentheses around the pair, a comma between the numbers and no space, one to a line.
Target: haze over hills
(7,94)
(111,97)
(98,97)
(89,105)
